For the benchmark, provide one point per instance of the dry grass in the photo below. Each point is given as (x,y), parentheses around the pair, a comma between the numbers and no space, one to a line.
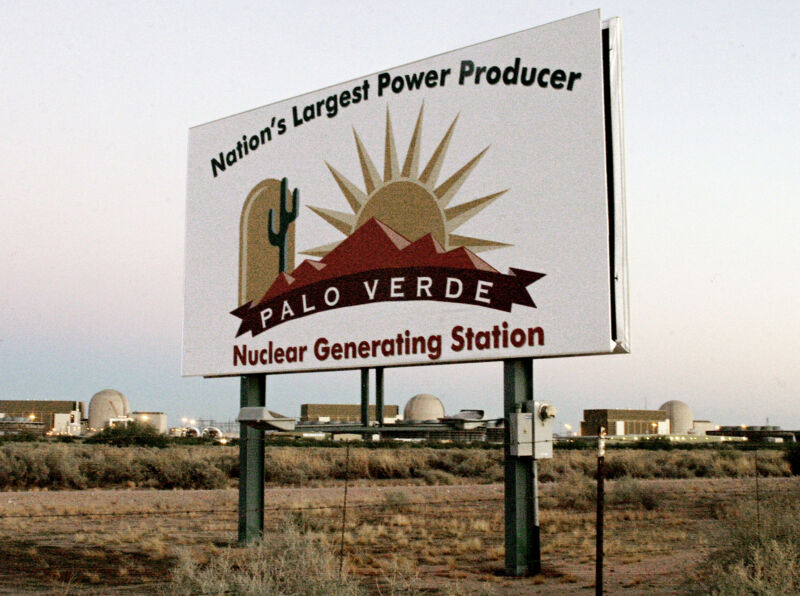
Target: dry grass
(66,466)
(25,466)
(409,539)
(759,552)
(284,562)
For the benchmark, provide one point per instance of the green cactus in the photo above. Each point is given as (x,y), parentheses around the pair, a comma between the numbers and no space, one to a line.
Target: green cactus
(287,216)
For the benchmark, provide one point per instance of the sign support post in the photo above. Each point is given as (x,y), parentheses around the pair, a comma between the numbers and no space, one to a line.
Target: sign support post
(379,395)
(251,462)
(365,397)
(521,515)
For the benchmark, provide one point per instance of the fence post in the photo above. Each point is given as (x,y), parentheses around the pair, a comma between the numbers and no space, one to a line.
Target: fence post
(344,506)
(758,500)
(601,457)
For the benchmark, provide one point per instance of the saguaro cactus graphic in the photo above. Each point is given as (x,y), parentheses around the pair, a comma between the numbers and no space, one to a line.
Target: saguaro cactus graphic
(258,257)
(287,216)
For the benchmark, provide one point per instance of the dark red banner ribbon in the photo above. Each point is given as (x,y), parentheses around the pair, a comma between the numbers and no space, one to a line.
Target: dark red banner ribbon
(488,289)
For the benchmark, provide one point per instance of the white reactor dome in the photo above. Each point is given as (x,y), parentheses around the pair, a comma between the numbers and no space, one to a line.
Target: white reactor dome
(107,404)
(423,407)
(680,416)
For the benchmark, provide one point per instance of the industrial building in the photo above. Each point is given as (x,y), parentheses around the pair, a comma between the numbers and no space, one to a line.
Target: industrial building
(674,417)
(41,416)
(157,420)
(61,417)
(345,413)
(423,419)
(768,433)
(625,422)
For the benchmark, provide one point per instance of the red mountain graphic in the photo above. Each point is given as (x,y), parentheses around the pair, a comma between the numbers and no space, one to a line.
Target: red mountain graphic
(376,246)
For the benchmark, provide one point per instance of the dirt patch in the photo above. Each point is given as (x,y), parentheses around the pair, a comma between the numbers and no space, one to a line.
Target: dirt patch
(30,566)
(431,539)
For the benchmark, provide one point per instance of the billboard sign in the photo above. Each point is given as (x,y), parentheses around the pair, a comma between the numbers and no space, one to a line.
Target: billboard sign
(465,207)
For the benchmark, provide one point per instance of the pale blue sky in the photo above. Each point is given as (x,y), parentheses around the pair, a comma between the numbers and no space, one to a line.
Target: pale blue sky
(97,99)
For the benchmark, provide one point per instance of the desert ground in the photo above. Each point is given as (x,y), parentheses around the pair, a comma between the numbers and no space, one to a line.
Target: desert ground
(398,539)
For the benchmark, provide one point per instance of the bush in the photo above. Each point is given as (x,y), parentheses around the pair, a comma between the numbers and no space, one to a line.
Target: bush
(289,562)
(792,455)
(132,434)
(636,494)
(759,552)
(64,466)
(572,491)
(24,436)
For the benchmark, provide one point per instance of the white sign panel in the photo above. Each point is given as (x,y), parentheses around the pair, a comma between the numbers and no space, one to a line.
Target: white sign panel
(452,209)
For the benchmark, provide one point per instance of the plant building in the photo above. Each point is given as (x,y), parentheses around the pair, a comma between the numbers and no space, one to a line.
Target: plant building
(40,415)
(344,413)
(625,422)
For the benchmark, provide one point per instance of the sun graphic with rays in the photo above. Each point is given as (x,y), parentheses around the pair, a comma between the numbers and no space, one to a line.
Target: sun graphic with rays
(411,203)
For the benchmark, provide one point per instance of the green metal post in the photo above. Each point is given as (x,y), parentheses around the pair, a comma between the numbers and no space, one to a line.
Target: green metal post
(251,462)
(379,395)
(365,397)
(522,527)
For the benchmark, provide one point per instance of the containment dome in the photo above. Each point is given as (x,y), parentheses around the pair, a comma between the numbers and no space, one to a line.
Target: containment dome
(107,404)
(680,416)
(423,407)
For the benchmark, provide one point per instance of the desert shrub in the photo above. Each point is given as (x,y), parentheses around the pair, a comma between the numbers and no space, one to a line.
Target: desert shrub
(24,436)
(38,466)
(792,456)
(759,549)
(289,562)
(290,465)
(180,469)
(438,477)
(132,434)
(396,498)
(572,491)
(74,466)
(635,494)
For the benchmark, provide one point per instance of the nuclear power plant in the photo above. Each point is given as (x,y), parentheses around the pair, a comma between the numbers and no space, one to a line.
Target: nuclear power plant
(674,420)
(107,407)
(423,418)
(673,417)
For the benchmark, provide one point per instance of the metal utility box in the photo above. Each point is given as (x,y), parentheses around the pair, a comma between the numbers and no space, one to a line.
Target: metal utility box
(531,433)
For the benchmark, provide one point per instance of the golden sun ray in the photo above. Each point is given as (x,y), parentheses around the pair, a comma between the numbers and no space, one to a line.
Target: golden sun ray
(459,214)
(409,203)
(344,222)
(354,195)
(450,186)
(368,169)
(391,167)
(431,171)
(411,164)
